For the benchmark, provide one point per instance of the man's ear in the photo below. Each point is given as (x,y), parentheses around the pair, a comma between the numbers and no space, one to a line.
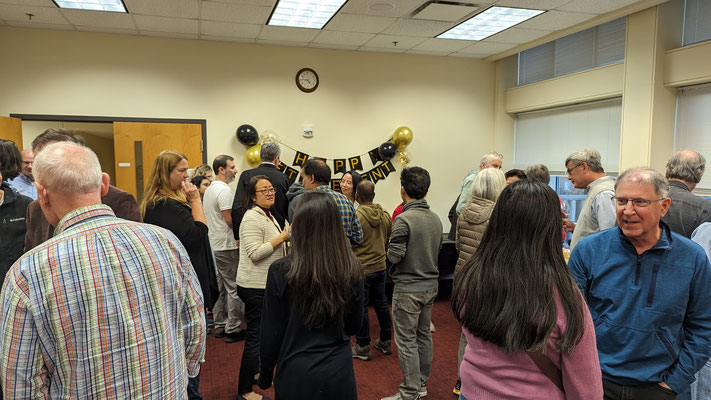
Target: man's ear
(105,179)
(42,196)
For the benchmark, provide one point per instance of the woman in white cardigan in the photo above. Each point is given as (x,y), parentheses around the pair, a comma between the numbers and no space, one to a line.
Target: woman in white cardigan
(261,243)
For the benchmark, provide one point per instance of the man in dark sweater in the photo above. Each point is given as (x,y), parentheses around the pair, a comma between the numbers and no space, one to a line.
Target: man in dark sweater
(687,211)
(269,154)
(414,247)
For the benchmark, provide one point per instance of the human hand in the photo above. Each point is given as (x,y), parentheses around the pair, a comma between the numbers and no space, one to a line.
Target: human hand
(568,225)
(285,234)
(191,191)
(665,386)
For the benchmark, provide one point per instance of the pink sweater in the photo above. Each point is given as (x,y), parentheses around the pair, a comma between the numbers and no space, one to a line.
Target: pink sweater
(490,373)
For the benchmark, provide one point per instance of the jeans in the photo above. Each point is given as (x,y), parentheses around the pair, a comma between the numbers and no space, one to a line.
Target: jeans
(229,309)
(701,388)
(375,283)
(249,366)
(194,388)
(412,313)
(645,391)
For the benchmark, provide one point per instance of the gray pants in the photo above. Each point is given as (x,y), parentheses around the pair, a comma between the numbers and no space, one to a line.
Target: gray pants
(412,312)
(229,309)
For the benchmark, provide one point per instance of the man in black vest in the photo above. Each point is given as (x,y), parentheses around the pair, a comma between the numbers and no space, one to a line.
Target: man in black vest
(687,211)
(269,155)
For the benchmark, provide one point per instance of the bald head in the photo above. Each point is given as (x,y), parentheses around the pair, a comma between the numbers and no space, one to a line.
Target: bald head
(365,192)
(28,159)
(68,167)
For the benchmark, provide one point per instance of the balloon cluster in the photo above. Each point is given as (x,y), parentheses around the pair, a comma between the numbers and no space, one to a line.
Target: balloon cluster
(248,136)
(401,138)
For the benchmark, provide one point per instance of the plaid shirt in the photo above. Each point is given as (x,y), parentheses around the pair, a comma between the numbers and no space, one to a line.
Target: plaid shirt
(351,224)
(107,308)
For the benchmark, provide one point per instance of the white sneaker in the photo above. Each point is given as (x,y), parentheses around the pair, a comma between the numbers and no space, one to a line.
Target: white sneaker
(432,328)
(423,390)
(397,396)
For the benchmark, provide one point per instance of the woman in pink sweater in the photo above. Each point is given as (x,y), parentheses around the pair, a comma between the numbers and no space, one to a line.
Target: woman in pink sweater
(529,333)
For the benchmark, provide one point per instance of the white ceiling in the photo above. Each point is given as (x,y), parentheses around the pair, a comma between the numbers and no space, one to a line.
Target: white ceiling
(362,25)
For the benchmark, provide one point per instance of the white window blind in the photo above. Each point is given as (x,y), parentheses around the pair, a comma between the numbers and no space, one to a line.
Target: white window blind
(594,47)
(693,125)
(550,136)
(697,21)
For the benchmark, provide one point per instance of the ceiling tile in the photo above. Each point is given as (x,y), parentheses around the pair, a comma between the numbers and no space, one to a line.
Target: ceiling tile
(165,24)
(102,29)
(170,34)
(386,41)
(268,3)
(428,53)
(446,45)
(399,7)
(358,23)
(46,15)
(381,49)
(517,35)
(288,34)
(164,8)
(466,55)
(280,43)
(417,27)
(101,19)
(235,13)
(333,46)
(555,20)
(343,38)
(226,39)
(533,4)
(225,29)
(436,11)
(38,3)
(487,48)
(41,26)
(595,7)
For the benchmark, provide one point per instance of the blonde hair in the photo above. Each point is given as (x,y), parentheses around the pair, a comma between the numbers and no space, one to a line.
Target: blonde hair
(488,184)
(158,186)
(201,170)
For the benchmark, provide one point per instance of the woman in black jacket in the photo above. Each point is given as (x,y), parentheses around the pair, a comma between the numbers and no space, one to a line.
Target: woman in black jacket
(172,203)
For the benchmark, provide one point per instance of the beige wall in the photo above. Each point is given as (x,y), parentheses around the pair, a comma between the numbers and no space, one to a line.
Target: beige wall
(362,97)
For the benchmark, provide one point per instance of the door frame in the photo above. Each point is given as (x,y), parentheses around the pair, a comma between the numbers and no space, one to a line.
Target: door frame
(88,118)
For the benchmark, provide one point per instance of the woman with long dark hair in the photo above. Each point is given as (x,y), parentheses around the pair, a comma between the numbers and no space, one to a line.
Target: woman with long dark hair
(521,310)
(313,304)
(262,242)
(349,183)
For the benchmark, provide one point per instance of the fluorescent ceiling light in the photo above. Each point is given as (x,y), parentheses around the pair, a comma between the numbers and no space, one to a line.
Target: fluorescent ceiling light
(304,13)
(99,5)
(489,22)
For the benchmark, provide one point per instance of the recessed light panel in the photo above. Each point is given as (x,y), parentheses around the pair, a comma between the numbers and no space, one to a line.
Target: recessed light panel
(489,22)
(304,13)
(98,5)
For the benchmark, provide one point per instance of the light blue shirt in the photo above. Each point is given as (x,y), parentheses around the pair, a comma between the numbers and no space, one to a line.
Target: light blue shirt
(24,186)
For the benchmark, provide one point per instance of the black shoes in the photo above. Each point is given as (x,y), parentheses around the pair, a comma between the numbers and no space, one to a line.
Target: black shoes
(235,336)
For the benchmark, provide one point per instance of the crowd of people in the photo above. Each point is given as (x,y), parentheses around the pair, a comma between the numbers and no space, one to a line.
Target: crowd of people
(105,297)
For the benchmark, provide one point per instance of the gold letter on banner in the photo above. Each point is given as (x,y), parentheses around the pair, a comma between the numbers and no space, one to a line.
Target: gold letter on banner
(355,163)
(292,174)
(300,159)
(281,167)
(374,156)
(366,175)
(377,174)
(386,168)
(339,165)
(336,185)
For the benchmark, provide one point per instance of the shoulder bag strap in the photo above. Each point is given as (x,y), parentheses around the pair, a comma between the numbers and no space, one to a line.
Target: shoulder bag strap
(547,367)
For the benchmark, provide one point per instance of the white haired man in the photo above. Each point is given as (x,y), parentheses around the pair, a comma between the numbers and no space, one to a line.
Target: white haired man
(491,160)
(107,308)
(648,290)
(598,213)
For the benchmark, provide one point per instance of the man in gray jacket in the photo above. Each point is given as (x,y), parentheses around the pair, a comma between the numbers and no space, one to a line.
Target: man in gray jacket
(414,247)
(687,211)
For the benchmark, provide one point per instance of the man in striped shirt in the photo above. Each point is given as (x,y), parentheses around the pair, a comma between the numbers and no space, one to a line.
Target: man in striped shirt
(107,308)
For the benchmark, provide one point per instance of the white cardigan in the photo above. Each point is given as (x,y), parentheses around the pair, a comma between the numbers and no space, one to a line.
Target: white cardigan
(255,252)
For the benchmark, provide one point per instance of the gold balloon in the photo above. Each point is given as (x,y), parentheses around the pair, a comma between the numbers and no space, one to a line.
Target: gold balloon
(402,137)
(269,136)
(404,158)
(252,155)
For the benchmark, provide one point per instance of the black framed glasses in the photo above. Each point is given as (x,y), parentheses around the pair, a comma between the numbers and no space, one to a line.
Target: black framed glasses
(571,170)
(637,203)
(265,192)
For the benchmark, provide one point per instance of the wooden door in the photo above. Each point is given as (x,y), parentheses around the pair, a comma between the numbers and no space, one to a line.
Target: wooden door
(11,129)
(137,144)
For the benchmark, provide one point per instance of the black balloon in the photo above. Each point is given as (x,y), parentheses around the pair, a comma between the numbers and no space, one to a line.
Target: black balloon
(387,150)
(247,135)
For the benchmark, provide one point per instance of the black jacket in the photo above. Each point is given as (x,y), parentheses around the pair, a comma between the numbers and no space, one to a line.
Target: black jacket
(177,218)
(687,211)
(12,228)
(280,209)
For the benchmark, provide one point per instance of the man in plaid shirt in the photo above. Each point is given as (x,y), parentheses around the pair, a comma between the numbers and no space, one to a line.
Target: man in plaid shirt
(107,308)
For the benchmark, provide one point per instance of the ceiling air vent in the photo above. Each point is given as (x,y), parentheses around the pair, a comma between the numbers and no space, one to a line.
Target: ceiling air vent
(444,11)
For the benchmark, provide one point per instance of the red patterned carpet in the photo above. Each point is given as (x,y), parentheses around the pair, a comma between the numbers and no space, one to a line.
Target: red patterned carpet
(376,378)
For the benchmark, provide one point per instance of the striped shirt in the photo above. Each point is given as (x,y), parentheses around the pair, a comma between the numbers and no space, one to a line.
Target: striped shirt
(351,224)
(107,308)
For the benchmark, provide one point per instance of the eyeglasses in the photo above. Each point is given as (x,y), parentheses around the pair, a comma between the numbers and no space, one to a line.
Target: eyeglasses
(571,170)
(267,191)
(637,203)
(495,154)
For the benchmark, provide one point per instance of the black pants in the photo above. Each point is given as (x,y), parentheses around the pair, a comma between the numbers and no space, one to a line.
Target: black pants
(645,391)
(252,299)
(375,283)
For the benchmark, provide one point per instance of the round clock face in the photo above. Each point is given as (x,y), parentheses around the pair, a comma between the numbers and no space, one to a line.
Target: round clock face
(307,80)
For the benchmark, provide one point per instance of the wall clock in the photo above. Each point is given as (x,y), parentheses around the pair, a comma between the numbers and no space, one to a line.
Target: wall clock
(307,80)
